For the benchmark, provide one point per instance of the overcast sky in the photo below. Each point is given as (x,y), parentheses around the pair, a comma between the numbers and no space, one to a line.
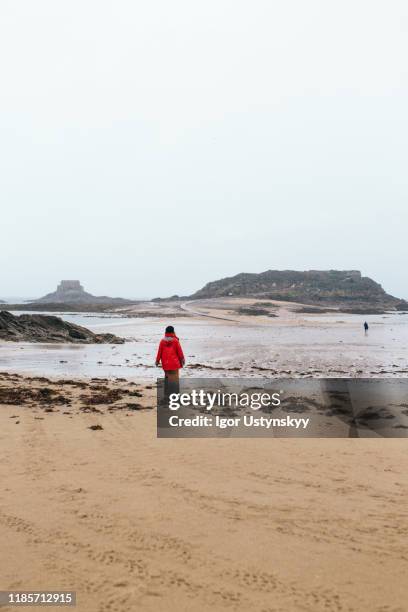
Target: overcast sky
(148,147)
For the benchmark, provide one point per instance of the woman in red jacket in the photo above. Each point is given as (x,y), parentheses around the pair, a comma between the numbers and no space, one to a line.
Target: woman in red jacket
(171,356)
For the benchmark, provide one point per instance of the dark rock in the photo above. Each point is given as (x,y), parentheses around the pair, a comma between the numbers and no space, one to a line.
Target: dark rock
(47,328)
(253,311)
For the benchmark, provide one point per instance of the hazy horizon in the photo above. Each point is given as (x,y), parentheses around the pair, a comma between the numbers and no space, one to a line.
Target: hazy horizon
(149,148)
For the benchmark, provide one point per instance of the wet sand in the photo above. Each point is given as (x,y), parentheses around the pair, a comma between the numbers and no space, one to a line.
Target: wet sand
(132,522)
(217,340)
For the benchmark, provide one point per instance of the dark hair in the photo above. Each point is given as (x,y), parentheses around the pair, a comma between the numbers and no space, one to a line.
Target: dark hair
(169,329)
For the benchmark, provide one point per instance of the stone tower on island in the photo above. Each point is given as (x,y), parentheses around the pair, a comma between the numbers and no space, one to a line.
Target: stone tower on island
(72,292)
(68,291)
(69,285)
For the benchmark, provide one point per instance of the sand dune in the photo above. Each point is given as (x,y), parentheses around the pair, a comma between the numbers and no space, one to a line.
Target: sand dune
(135,523)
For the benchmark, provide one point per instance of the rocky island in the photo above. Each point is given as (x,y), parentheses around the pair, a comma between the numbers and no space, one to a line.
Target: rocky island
(347,290)
(47,328)
(72,292)
(70,295)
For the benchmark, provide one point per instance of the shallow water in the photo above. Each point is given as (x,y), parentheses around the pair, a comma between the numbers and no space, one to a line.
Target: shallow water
(315,345)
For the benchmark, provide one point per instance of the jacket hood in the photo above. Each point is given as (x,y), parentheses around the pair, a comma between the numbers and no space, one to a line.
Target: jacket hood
(170,337)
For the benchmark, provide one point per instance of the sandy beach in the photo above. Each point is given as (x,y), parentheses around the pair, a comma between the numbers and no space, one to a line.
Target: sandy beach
(95,503)
(132,522)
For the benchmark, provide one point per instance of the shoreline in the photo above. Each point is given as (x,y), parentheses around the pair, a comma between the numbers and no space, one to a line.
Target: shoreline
(291,344)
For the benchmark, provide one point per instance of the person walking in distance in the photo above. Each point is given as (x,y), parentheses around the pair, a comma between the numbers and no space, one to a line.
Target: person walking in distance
(171,356)
(365,327)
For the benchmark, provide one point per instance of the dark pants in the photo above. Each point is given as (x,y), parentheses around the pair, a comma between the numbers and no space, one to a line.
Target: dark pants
(171,382)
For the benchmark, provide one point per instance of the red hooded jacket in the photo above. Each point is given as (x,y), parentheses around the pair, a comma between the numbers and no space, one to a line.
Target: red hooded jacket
(170,353)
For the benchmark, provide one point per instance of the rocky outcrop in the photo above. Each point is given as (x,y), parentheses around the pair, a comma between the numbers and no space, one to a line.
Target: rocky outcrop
(42,328)
(346,288)
(72,292)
